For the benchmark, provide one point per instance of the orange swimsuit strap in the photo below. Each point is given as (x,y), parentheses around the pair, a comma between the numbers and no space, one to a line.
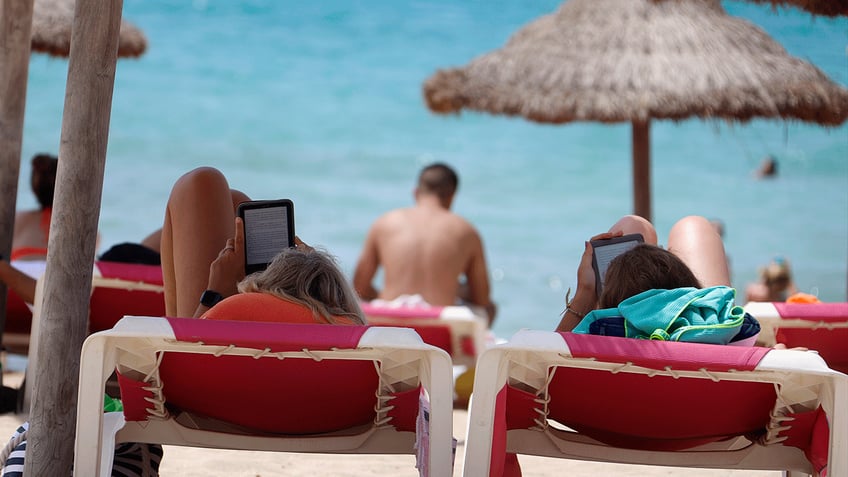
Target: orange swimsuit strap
(20,252)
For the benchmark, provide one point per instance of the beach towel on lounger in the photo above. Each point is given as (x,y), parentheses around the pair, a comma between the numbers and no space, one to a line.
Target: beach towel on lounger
(702,315)
(132,459)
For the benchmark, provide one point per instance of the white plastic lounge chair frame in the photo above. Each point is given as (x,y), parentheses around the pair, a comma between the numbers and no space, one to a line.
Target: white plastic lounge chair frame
(97,281)
(467,328)
(529,359)
(820,326)
(137,343)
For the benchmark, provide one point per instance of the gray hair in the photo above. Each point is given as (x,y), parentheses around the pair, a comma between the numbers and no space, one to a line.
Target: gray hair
(310,278)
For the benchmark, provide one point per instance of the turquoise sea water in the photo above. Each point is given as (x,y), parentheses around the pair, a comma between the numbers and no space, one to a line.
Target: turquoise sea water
(321,102)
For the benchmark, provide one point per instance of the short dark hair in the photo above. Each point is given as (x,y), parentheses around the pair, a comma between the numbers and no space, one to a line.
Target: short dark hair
(644,267)
(439,179)
(43,178)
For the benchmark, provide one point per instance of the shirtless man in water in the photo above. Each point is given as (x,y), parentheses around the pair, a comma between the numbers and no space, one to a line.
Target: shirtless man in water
(426,249)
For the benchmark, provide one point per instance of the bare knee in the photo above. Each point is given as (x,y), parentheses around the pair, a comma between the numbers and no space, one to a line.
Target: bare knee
(201,177)
(693,225)
(634,224)
(203,180)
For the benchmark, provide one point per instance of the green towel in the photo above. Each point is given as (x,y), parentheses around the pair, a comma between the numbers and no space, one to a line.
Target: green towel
(702,315)
(111,404)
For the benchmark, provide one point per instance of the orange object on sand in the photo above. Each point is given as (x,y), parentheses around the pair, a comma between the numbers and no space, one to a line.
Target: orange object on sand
(803,298)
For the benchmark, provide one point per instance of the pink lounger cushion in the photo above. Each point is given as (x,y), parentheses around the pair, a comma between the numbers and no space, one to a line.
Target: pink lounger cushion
(829,343)
(131,272)
(294,395)
(611,414)
(460,330)
(659,354)
(623,400)
(402,312)
(813,311)
(251,334)
(108,304)
(432,333)
(111,303)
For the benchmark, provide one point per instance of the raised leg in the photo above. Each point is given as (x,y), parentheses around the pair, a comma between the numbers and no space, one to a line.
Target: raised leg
(695,240)
(633,224)
(198,221)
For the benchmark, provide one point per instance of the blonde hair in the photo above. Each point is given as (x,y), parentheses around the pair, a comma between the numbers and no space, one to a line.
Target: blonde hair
(776,274)
(310,278)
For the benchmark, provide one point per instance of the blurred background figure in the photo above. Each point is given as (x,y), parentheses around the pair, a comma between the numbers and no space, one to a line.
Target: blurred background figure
(775,283)
(768,168)
(32,227)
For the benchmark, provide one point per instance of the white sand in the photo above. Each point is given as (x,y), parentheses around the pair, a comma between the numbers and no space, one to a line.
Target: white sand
(195,462)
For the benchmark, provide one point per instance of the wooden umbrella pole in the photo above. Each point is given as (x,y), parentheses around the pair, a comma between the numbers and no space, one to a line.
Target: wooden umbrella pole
(15,31)
(73,232)
(642,168)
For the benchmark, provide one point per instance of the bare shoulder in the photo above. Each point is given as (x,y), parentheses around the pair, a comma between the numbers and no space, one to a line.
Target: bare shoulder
(465,225)
(391,218)
(27,217)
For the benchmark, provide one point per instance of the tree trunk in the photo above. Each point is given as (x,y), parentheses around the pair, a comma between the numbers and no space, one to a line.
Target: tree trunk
(15,41)
(73,232)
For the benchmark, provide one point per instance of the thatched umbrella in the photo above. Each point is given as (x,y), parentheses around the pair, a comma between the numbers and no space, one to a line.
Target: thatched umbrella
(47,23)
(51,30)
(636,60)
(829,8)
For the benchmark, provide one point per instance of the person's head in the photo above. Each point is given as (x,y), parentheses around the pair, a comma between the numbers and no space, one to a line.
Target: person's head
(776,275)
(43,178)
(439,180)
(768,168)
(644,267)
(308,277)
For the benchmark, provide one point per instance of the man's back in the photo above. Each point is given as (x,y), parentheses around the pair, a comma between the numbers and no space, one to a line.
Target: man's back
(425,250)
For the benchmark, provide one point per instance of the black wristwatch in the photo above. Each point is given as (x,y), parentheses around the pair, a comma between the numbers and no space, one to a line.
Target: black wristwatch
(210,298)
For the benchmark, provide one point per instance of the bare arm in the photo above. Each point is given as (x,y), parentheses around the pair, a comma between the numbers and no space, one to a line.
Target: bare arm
(477,275)
(228,269)
(366,268)
(19,282)
(586,297)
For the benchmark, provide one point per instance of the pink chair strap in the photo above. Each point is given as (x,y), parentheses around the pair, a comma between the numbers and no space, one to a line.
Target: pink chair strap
(659,354)
(402,312)
(131,271)
(813,311)
(276,336)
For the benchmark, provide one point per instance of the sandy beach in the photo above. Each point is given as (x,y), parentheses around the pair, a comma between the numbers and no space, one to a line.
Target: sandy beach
(196,462)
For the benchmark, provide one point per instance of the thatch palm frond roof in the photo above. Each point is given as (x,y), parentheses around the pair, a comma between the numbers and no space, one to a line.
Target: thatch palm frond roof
(828,8)
(51,30)
(626,60)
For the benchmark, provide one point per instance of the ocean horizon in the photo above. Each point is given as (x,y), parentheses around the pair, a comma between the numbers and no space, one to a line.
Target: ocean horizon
(321,103)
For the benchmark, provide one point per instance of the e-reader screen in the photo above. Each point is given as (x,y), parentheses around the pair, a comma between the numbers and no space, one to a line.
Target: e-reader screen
(606,250)
(268,229)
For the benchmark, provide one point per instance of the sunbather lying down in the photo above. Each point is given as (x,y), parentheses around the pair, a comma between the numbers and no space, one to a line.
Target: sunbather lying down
(199,274)
(694,263)
(647,277)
